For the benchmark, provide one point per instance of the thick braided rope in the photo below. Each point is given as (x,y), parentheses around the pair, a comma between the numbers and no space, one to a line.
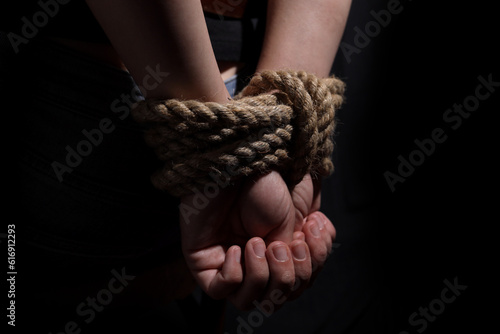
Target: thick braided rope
(282,120)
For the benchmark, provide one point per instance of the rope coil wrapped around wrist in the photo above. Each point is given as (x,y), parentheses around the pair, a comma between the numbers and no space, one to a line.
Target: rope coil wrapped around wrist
(282,120)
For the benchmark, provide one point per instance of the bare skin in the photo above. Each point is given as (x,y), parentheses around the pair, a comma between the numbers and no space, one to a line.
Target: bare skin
(303,34)
(289,239)
(223,246)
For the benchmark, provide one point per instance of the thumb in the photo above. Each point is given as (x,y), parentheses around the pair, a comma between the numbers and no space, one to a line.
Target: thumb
(267,208)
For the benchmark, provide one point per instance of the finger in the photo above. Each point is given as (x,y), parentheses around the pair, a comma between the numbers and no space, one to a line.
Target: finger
(219,283)
(281,274)
(256,275)
(316,241)
(302,265)
(299,235)
(327,229)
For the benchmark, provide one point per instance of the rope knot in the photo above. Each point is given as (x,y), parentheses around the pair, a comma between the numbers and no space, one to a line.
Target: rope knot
(282,120)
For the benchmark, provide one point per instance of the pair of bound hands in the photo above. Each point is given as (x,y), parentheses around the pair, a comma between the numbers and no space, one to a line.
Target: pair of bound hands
(256,240)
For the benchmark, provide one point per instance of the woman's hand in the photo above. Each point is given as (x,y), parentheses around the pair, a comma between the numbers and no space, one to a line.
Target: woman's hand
(256,238)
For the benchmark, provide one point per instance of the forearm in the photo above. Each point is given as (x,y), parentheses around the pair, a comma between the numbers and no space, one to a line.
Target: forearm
(170,35)
(303,35)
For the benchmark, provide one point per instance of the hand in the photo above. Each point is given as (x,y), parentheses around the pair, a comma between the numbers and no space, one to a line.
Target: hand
(272,226)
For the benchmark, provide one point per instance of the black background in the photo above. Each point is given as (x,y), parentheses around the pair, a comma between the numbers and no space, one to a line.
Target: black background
(440,223)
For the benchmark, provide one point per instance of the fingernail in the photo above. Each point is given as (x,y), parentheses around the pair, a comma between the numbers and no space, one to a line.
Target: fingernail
(314,229)
(321,223)
(280,253)
(299,252)
(237,254)
(259,248)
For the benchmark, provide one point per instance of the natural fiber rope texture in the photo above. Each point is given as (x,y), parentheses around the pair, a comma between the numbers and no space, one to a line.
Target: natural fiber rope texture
(282,120)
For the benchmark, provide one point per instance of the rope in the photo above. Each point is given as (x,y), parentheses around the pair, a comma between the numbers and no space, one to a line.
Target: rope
(289,130)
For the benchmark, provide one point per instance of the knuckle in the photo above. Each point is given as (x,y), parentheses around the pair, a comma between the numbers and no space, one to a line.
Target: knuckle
(286,281)
(321,254)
